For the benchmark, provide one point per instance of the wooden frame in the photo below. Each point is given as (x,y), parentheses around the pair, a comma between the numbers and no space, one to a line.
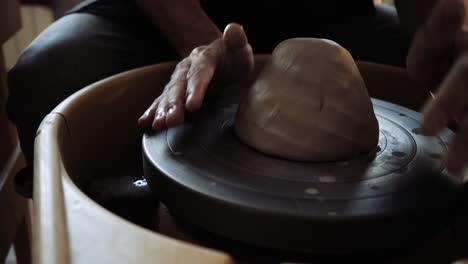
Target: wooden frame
(10,19)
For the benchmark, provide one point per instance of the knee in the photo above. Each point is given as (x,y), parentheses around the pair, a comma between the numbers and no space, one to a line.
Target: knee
(23,81)
(23,104)
(18,96)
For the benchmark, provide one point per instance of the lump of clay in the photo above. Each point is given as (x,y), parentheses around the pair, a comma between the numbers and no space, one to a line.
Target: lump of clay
(309,103)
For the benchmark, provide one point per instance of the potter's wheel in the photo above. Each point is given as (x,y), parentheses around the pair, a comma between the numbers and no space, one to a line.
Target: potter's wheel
(392,198)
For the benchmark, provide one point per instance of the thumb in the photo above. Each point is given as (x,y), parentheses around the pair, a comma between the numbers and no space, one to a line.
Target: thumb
(238,61)
(234,37)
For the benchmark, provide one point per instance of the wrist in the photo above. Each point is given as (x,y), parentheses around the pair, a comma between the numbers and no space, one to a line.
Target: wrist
(183,22)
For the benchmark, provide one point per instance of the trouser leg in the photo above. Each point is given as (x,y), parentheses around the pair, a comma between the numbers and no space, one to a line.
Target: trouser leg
(73,52)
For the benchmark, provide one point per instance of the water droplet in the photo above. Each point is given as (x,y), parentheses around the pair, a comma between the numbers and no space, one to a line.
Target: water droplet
(312,191)
(140,183)
(327,179)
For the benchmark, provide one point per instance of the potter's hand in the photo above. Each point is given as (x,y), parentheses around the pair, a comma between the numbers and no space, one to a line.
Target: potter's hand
(228,58)
(439,58)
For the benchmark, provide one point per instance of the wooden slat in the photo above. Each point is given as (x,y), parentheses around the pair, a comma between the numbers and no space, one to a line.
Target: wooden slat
(50,235)
(7,131)
(10,20)
(12,205)
(35,19)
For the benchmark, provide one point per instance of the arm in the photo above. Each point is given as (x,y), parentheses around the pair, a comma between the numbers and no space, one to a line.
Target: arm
(183,22)
(412,13)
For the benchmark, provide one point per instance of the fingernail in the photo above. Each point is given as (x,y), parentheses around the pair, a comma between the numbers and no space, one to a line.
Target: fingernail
(145,115)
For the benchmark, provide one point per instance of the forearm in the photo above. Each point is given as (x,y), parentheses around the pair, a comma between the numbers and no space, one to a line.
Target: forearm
(412,13)
(183,22)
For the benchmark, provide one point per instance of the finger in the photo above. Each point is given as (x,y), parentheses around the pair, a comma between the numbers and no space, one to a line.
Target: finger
(241,63)
(200,74)
(239,51)
(458,151)
(180,72)
(173,96)
(167,111)
(450,99)
(159,117)
(234,37)
(175,114)
(428,57)
(174,109)
(147,118)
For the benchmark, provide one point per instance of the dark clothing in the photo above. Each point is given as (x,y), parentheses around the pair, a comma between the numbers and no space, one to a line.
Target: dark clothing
(101,38)
(266,22)
(311,9)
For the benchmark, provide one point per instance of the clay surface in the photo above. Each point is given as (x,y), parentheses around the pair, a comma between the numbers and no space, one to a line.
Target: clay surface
(309,103)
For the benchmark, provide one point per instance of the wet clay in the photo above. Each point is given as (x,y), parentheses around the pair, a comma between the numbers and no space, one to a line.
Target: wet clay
(309,103)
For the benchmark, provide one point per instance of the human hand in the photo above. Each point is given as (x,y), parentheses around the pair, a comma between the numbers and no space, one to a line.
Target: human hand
(228,58)
(438,58)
